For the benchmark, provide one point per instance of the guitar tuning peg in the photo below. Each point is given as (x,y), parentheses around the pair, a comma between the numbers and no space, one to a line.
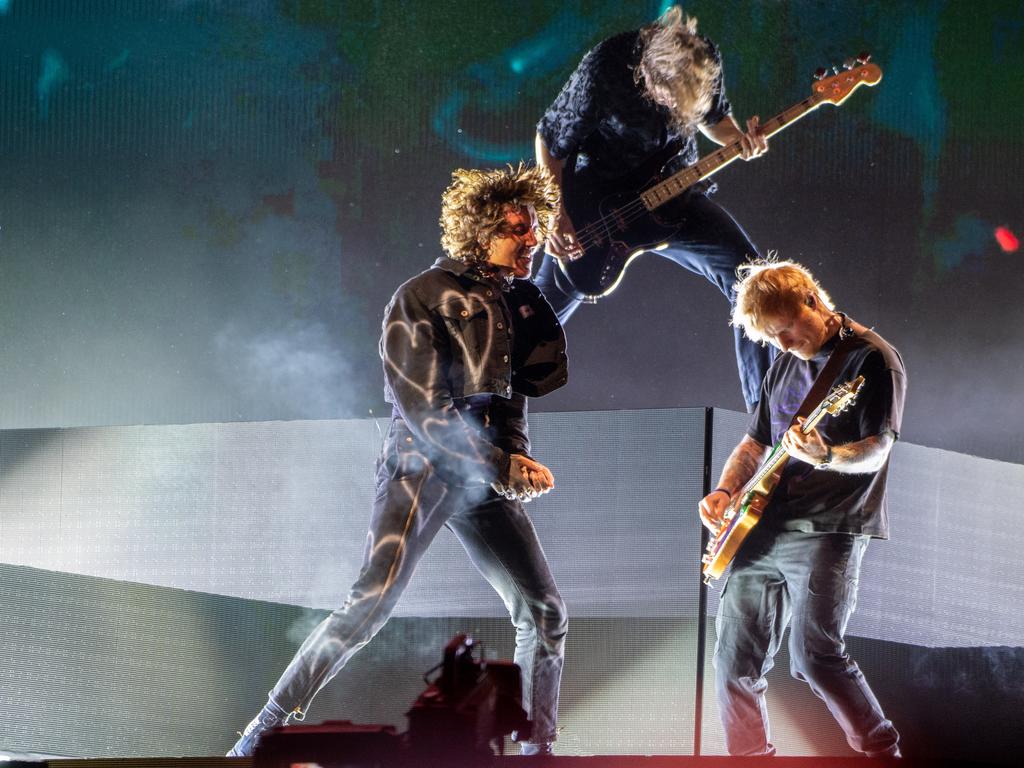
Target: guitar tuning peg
(850,63)
(820,73)
(863,58)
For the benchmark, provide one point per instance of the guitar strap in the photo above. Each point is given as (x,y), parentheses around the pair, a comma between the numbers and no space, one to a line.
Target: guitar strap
(828,373)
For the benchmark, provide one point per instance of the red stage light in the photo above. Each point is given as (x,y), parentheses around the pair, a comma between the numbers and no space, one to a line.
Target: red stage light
(1007,240)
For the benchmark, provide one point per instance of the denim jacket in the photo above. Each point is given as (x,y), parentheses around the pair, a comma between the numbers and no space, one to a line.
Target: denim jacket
(447,347)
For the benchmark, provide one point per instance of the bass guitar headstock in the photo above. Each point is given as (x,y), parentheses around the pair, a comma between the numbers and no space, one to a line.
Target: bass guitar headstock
(838,87)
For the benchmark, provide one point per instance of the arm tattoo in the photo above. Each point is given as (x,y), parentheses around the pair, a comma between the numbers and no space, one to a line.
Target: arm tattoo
(742,464)
(867,455)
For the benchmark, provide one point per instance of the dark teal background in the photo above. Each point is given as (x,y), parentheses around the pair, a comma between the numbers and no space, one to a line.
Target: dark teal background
(205,205)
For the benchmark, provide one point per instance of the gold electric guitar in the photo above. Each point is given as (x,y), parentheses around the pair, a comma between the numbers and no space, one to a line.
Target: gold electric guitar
(746,508)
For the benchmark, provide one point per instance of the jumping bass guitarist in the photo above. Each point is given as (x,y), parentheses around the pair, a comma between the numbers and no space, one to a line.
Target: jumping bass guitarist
(801,564)
(636,95)
(621,140)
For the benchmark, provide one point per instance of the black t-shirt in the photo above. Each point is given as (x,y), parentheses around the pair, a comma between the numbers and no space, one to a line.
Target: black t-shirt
(602,117)
(809,499)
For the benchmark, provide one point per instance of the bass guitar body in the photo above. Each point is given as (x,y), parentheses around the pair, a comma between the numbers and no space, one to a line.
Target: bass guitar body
(614,227)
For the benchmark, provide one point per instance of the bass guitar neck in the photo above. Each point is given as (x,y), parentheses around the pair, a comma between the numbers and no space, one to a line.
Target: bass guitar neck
(605,223)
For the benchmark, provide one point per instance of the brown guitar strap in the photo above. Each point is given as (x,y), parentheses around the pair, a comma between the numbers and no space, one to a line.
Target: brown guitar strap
(828,373)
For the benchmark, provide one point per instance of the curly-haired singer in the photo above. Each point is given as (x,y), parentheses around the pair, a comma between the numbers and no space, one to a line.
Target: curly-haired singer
(464,344)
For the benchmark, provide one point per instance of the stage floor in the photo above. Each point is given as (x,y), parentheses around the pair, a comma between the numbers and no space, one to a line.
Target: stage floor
(601,761)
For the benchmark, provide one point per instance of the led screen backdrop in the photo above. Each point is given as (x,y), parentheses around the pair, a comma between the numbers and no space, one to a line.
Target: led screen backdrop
(154,581)
(205,205)
(277,511)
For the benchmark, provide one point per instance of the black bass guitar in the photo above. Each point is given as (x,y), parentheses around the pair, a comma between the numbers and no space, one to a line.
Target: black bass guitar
(606,214)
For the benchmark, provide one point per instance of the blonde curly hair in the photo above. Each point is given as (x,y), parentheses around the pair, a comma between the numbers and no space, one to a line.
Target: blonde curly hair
(677,60)
(474,205)
(772,288)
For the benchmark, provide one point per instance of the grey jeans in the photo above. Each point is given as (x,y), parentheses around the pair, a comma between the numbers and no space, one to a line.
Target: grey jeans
(809,582)
(412,504)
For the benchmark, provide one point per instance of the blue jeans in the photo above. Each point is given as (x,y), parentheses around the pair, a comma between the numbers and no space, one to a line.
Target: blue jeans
(412,504)
(711,244)
(807,581)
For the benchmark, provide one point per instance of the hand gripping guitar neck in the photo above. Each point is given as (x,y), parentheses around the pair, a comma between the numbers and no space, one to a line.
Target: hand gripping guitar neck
(747,507)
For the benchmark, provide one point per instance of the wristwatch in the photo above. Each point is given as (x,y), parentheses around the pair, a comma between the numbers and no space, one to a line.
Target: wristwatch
(827,461)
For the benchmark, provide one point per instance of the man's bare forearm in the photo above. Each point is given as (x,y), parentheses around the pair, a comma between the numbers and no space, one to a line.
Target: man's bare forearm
(742,464)
(863,456)
(546,160)
(725,131)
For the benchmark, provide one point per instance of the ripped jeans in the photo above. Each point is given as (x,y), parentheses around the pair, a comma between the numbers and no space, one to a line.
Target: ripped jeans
(807,581)
(412,504)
